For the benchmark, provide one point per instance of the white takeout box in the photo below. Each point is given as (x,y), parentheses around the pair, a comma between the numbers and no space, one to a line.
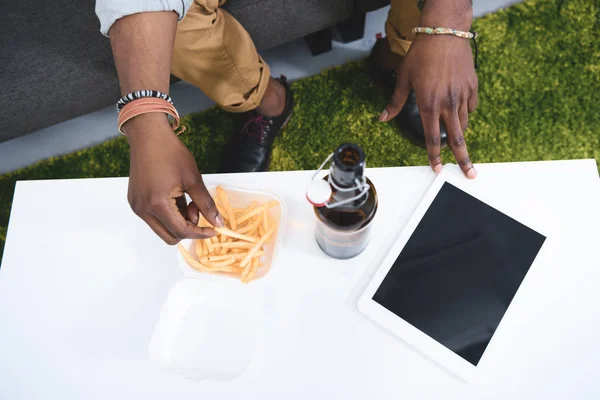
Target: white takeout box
(208,325)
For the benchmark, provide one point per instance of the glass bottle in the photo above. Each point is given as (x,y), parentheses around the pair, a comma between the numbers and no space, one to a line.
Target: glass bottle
(344,221)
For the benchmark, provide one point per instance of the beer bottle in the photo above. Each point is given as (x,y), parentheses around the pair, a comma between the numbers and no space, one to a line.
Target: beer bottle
(344,202)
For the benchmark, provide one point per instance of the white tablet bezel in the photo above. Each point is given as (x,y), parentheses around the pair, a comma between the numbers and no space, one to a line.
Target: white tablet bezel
(402,329)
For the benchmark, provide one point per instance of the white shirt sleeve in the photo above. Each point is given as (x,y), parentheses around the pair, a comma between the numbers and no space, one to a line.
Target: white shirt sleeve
(109,11)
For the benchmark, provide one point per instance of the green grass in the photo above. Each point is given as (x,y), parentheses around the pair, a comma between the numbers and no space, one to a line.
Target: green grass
(539,99)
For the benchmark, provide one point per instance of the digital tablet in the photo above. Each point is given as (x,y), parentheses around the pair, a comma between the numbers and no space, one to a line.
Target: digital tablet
(449,279)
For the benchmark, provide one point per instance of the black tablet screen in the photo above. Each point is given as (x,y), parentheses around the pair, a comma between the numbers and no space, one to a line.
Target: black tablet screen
(459,271)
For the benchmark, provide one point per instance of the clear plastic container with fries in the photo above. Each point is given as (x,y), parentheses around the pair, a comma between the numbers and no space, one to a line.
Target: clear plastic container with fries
(209,322)
(245,248)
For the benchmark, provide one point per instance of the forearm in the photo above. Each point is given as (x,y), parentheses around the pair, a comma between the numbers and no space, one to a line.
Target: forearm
(457,14)
(142,46)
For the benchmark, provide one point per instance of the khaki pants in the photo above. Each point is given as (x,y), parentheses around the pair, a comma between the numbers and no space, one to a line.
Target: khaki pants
(215,53)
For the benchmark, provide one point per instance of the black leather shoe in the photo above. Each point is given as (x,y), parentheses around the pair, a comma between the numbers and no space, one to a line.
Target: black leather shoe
(409,119)
(250,149)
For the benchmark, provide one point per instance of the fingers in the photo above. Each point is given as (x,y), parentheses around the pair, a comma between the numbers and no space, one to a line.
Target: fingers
(204,202)
(189,211)
(472,102)
(456,141)
(168,214)
(463,116)
(192,213)
(160,230)
(398,99)
(181,203)
(431,126)
(167,218)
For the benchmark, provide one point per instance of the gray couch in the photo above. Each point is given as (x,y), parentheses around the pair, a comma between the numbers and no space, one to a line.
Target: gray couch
(55,64)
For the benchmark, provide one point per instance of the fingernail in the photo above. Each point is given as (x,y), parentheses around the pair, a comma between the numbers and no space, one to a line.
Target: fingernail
(219,221)
(438,168)
(471,174)
(383,116)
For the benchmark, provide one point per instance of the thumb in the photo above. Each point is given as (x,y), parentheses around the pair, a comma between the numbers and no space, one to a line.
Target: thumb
(398,99)
(205,203)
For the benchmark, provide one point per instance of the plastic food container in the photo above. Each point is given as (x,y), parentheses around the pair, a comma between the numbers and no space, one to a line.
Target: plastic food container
(209,322)
(240,198)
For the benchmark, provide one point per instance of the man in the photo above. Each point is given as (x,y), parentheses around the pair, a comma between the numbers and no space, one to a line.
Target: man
(210,49)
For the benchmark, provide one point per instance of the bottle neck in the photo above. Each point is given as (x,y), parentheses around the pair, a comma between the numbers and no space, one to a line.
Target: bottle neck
(347,186)
(346,179)
(347,174)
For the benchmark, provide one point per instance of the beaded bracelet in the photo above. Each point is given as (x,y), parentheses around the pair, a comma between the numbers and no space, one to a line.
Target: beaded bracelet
(448,31)
(445,31)
(140,94)
(146,106)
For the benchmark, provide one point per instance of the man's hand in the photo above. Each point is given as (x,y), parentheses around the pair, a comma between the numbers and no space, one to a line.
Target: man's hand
(162,170)
(440,70)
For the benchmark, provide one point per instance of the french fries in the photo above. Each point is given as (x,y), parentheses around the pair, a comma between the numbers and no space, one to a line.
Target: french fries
(257,211)
(239,245)
(232,234)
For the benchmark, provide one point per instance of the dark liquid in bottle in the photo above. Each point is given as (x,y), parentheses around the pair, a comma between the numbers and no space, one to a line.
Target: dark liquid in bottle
(343,231)
(355,215)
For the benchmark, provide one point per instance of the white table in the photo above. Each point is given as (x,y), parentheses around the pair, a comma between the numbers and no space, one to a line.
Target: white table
(83,281)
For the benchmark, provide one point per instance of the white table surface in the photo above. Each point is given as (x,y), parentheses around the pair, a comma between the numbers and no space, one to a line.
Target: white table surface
(83,281)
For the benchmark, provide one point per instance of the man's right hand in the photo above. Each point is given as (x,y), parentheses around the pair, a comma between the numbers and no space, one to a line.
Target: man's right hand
(162,170)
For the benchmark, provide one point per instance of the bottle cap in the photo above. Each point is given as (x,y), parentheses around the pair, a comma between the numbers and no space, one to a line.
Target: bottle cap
(318,192)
